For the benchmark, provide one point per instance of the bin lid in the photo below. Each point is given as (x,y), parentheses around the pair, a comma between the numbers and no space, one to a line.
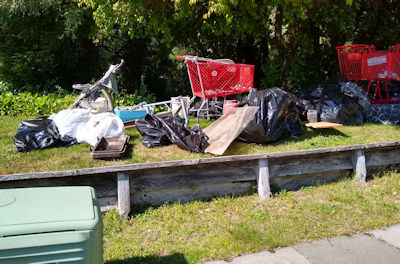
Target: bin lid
(48,209)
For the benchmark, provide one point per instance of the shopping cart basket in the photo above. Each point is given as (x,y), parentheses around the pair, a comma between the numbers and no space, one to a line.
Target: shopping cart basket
(351,58)
(217,78)
(364,62)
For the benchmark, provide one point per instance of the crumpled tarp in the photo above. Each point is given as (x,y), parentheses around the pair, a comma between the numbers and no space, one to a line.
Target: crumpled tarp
(40,133)
(158,131)
(278,116)
(332,104)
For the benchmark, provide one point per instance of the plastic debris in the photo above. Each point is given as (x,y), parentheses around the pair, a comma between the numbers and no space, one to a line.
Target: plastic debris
(158,131)
(40,133)
(388,114)
(333,104)
(277,117)
(87,125)
(100,125)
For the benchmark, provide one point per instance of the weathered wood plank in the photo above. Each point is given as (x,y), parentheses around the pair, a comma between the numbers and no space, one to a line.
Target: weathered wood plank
(124,196)
(187,194)
(108,203)
(359,166)
(311,164)
(105,185)
(193,162)
(382,157)
(298,181)
(164,178)
(156,183)
(264,191)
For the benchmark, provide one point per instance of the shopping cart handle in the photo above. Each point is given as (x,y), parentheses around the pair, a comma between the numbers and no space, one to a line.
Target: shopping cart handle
(181,57)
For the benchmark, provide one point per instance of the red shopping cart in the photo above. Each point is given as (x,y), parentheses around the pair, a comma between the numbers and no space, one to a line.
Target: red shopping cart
(217,78)
(364,62)
(351,59)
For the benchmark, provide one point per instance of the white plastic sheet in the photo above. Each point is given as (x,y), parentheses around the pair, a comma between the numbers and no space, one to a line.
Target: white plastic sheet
(87,125)
(100,125)
(68,121)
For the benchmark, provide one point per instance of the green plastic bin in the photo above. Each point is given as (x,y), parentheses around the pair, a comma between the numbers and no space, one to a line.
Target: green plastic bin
(50,225)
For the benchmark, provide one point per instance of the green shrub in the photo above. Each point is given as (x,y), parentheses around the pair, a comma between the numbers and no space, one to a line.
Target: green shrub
(26,103)
(132,99)
(34,104)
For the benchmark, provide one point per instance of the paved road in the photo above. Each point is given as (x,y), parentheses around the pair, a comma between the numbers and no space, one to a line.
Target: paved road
(375,247)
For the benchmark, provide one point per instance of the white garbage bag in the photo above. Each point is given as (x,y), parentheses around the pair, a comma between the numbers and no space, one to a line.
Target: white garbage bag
(67,121)
(100,125)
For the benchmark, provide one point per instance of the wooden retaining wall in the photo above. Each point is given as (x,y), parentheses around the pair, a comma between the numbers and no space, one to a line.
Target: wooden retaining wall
(119,187)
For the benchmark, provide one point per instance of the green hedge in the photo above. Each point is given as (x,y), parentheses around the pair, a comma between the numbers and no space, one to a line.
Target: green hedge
(34,104)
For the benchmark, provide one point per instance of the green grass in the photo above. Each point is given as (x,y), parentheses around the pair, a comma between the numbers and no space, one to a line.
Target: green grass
(78,156)
(227,227)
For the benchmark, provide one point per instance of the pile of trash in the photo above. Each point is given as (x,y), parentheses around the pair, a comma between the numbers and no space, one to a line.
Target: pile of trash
(261,117)
(387,114)
(66,128)
(345,103)
(331,104)
(87,120)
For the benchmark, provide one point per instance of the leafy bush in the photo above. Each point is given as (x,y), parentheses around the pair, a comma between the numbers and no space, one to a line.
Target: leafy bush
(132,99)
(34,104)
(26,103)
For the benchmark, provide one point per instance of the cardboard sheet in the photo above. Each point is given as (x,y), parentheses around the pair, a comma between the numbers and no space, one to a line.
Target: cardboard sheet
(227,128)
(318,125)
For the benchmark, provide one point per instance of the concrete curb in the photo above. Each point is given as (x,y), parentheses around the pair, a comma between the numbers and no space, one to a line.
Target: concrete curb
(373,247)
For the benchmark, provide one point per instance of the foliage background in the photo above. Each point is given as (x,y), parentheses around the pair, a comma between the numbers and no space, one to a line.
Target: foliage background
(48,44)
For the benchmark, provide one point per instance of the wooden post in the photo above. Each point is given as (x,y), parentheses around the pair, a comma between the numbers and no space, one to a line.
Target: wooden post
(359,166)
(264,191)
(124,196)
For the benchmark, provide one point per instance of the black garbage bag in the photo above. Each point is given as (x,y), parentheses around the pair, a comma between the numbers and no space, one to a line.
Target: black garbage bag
(158,131)
(278,116)
(40,133)
(332,103)
(388,114)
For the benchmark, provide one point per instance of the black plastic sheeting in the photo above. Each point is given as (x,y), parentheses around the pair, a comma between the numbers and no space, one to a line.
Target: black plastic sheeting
(388,114)
(277,117)
(332,104)
(40,133)
(158,131)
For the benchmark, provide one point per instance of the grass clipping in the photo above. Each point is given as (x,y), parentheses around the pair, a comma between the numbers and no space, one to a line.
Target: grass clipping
(227,227)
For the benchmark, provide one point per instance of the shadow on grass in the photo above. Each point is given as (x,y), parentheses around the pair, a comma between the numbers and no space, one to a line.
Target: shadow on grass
(176,258)
(311,133)
(314,181)
(129,151)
